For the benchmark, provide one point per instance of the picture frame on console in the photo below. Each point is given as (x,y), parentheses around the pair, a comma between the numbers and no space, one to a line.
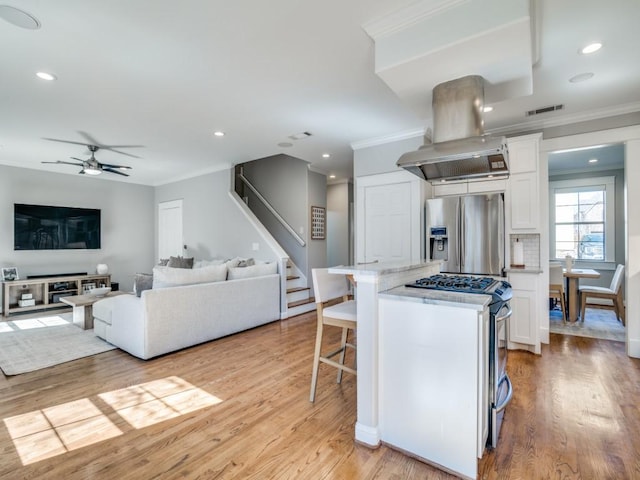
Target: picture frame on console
(10,274)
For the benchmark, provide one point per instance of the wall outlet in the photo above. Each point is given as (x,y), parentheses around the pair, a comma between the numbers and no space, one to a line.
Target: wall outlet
(255,247)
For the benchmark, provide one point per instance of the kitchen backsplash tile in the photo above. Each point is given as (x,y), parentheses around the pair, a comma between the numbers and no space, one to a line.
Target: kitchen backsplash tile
(531,246)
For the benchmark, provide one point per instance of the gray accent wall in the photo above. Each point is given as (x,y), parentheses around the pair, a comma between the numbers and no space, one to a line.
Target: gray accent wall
(128,228)
(317,252)
(339,198)
(213,225)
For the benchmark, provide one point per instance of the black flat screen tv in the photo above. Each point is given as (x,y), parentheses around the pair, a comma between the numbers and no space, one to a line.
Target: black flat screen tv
(41,227)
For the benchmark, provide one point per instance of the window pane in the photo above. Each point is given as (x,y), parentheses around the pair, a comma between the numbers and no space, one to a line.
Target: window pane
(563,199)
(566,214)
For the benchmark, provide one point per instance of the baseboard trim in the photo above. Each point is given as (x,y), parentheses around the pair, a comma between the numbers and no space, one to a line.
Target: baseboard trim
(633,347)
(367,436)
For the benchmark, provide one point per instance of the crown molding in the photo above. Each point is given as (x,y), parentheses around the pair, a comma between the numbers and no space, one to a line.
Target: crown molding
(394,137)
(569,119)
(408,16)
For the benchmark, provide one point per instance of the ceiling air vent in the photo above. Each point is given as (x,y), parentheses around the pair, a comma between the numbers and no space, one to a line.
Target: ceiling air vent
(538,111)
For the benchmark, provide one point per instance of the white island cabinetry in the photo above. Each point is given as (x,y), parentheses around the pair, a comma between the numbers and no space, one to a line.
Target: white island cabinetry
(434,377)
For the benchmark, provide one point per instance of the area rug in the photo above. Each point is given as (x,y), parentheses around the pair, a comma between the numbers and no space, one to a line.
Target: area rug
(598,324)
(31,344)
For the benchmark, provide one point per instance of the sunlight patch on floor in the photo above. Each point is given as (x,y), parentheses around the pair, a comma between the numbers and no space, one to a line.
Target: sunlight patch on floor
(31,323)
(53,431)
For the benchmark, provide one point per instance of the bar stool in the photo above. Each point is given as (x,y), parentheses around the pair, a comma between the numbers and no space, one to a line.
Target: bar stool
(329,287)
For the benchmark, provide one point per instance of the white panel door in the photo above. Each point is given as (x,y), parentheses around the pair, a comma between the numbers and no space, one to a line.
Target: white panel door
(388,222)
(170,239)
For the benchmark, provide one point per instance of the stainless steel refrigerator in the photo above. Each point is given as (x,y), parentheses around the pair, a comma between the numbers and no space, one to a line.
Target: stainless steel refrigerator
(467,233)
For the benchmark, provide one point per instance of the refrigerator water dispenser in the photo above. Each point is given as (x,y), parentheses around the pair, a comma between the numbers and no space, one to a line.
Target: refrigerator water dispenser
(438,243)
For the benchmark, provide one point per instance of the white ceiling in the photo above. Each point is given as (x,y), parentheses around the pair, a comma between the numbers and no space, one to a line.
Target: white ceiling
(164,75)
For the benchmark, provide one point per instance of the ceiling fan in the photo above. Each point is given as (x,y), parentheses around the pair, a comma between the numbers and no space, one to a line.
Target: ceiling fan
(93,166)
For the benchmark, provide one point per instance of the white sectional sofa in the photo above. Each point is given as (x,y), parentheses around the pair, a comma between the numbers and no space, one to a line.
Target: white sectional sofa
(170,318)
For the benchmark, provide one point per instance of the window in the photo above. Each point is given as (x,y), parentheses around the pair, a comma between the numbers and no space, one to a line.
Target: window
(582,219)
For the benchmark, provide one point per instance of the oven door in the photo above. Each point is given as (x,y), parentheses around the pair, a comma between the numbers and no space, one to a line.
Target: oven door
(501,388)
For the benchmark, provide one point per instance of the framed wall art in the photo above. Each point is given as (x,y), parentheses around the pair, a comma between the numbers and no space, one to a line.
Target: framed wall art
(318,223)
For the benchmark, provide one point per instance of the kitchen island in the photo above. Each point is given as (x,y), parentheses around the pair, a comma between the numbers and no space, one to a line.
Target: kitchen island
(404,334)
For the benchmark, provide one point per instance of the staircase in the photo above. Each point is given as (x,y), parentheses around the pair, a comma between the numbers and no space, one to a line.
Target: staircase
(299,299)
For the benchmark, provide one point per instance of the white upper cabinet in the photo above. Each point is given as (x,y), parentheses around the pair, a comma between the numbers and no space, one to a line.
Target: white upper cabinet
(523,193)
(523,153)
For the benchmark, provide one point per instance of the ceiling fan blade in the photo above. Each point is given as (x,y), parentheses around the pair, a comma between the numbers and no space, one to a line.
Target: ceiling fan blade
(122,153)
(111,165)
(64,141)
(81,172)
(79,159)
(68,163)
(111,170)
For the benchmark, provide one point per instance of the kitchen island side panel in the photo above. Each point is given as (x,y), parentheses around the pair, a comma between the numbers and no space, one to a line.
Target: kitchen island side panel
(431,383)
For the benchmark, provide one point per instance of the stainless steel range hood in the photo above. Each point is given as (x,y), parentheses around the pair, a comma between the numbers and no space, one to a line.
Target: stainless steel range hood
(460,150)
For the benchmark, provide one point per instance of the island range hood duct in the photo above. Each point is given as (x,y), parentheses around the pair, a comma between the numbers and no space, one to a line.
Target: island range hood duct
(460,150)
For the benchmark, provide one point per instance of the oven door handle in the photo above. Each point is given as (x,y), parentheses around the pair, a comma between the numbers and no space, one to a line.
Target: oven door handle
(506,401)
(505,316)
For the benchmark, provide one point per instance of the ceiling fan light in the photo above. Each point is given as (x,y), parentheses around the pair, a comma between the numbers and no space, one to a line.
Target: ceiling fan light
(92,171)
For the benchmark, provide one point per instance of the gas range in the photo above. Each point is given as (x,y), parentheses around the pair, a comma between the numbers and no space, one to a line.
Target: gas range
(500,290)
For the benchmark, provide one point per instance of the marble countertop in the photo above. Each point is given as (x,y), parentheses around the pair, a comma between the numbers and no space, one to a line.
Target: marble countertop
(531,270)
(382,268)
(438,297)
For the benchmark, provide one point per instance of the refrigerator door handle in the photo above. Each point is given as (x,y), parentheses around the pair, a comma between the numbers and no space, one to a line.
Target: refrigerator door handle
(461,225)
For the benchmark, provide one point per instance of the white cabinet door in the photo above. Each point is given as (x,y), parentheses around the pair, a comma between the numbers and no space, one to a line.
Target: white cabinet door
(524,201)
(523,153)
(388,225)
(444,189)
(522,325)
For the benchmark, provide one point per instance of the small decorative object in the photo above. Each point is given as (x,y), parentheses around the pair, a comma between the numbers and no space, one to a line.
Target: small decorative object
(10,274)
(102,269)
(568,260)
(518,254)
(99,292)
(317,223)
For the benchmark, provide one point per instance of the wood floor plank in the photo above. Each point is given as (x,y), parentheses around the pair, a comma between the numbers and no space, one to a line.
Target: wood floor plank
(575,414)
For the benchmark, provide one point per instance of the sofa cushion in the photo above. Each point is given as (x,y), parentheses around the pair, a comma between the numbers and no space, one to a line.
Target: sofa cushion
(142,282)
(206,263)
(258,270)
(180,262)
(172,277)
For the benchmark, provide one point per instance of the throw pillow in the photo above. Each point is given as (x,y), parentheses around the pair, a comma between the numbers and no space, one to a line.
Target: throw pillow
(246,262)
(258,270)
(163,262)
(180,262)
(142,282)
(172,277)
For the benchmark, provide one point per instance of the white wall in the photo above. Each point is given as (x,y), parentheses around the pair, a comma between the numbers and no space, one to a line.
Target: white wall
(127,223)
(382,158)
(214,226)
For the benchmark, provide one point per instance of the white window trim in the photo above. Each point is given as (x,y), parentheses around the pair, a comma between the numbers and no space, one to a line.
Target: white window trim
(610,213)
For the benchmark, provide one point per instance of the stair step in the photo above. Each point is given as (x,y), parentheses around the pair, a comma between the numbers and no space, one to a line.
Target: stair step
(292,277)
(301,302)
(297,289)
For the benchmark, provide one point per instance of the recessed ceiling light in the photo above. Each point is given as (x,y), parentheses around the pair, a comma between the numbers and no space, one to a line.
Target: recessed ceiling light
(332,176)
(581,77)
(487,109)
(591,48)
(19,18)
(218,133)
(593,160)
(285,144)
(46,76)
(326,155)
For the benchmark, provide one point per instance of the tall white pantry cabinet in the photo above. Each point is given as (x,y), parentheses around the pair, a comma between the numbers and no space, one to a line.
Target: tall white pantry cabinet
(522,208)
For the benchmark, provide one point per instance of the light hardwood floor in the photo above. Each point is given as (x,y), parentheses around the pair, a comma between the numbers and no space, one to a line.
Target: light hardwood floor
(238,408)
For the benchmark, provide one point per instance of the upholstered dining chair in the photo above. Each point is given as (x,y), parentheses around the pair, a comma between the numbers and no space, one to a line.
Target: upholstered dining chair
(330,288)
(556,287)
(613,293)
